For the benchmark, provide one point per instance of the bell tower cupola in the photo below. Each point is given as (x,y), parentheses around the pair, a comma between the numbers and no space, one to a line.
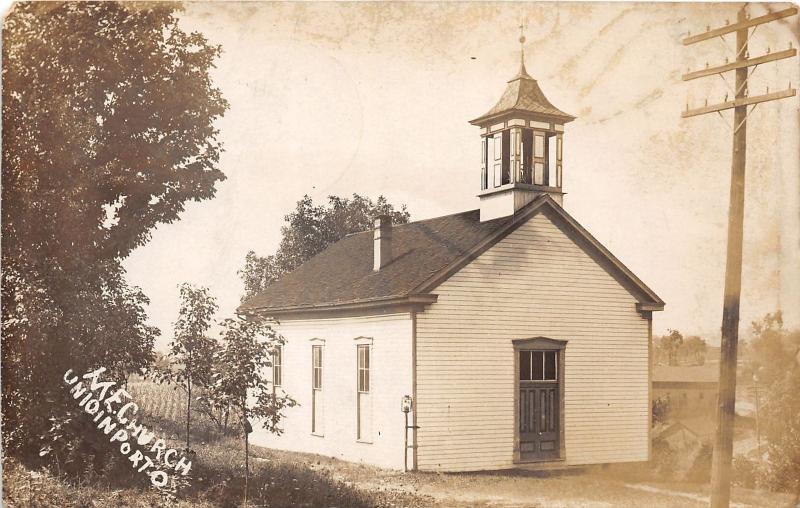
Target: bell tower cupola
(522,140)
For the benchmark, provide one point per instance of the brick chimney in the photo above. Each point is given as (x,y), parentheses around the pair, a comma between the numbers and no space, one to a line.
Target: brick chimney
(383,241)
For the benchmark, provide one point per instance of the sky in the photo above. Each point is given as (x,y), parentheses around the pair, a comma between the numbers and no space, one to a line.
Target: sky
(341,98)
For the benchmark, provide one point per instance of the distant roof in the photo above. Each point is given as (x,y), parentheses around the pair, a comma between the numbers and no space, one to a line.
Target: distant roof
(424,254)
(523,95)
(685,374)
(702,427)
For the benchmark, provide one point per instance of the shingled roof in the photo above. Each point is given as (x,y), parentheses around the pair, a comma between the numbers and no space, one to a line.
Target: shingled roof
(424,253)
(523,95)
(343,272)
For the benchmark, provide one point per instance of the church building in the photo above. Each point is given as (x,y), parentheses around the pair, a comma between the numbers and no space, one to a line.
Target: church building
(505,336)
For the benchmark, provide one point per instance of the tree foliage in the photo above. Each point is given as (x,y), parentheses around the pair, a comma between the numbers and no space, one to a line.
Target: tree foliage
(240,383)
(192,350)
(675,349)
(311,228)
(693,350)
(108,129)
(668,346)
(774,360)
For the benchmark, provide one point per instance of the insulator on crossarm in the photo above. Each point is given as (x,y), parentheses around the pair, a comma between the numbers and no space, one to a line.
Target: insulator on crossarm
(706,65)
(708,28)
(727,22)
(726,98)
(706,103)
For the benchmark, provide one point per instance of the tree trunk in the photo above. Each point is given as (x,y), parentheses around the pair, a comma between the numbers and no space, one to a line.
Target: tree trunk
(246,463)
(246,429)
(188,411)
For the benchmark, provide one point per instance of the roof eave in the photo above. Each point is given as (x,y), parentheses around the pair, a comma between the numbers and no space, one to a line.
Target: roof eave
(650,307)
(490,117)
(413,300)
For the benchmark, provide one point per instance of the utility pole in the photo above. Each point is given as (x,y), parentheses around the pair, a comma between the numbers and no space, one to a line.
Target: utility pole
(723,442)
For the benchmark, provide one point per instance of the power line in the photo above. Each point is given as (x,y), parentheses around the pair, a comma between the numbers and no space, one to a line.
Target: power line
(723,441)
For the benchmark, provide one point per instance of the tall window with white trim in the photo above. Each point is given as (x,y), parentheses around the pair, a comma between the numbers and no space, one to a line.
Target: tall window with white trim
(317,401)
(277,366)
(364,403)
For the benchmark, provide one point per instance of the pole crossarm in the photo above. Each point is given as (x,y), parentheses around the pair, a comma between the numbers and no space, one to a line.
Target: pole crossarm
(791,11)
(745,101)
(780,55)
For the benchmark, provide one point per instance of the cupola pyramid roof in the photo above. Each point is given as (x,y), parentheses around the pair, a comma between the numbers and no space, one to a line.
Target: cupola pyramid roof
(523,95)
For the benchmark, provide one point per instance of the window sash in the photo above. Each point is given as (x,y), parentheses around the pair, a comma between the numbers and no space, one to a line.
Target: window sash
(316,369)
(552,161)
(484,164)
(277,366)
(538,173)
(538,365)
(363,369)
(538,145)
(560,148)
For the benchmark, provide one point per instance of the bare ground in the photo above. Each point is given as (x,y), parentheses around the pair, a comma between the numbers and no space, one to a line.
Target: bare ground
(593,487)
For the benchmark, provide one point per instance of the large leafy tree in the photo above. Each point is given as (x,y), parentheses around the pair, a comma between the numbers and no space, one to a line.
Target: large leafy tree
(192,350)
(311,228)
(108,130)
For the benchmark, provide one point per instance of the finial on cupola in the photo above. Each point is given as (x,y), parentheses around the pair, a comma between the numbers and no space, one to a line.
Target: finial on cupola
(522,72)
(522,138)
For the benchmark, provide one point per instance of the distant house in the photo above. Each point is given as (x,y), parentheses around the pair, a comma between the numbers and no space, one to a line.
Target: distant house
(689,389)
(516,335)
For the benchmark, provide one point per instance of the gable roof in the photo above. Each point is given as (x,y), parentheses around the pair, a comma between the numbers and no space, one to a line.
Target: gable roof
(523,95)
(424,254)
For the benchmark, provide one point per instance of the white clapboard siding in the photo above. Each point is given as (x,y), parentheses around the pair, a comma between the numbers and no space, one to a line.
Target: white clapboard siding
(535,282)
(390,379)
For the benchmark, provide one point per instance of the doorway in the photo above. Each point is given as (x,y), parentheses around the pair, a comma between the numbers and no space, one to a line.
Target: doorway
(539,365)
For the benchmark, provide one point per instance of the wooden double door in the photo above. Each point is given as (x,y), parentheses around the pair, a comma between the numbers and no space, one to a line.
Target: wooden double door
(539,418)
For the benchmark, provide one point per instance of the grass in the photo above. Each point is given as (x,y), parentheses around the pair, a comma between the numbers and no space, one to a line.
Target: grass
(282,479)
(23,487)
(216,478)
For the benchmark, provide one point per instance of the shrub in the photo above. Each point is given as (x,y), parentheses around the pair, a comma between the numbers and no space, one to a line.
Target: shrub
(747,473)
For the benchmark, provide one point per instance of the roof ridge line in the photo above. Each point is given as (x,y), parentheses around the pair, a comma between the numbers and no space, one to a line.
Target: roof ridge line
(415,222)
